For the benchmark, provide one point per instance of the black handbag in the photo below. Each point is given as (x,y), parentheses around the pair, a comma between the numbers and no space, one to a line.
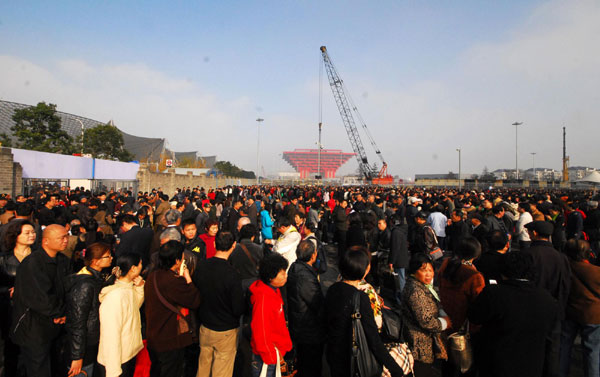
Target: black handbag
(363,362)
(391,331)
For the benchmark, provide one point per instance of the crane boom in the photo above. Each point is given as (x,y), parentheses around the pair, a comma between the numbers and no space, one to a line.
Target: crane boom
(341,101)
(346,106)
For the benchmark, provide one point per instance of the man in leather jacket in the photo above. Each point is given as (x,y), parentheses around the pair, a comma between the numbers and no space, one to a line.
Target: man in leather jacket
(306,316)
(39,302)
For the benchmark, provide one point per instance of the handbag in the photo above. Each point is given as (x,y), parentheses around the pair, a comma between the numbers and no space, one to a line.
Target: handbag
(392,326)
(437,251)
(461,352)
(186,323)
(363,362)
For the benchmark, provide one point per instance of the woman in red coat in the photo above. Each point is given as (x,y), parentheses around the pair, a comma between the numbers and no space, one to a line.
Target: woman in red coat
(270,336)
(460,284)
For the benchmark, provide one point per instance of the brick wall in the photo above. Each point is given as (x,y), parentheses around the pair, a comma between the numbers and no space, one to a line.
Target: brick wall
(11,174)
(169,182)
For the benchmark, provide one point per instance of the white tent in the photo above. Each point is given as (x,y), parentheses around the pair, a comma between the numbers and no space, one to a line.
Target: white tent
(593,178)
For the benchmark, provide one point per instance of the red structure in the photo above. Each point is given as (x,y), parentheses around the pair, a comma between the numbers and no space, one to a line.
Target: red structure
(305,161)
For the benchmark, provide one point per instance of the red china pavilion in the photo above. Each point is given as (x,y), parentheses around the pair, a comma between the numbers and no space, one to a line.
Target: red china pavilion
(305,161)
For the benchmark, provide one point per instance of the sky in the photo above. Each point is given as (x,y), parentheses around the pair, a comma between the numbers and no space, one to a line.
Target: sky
(428,77)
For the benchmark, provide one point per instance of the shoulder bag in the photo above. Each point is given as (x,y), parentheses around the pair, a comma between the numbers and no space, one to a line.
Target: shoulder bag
(461,352)
(363,362)
(186,324)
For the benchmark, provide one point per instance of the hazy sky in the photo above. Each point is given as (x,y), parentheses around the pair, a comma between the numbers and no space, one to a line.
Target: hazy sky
(427,76)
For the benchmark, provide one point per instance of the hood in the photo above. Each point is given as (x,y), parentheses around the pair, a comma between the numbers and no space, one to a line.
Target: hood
(117,285)
(258,288)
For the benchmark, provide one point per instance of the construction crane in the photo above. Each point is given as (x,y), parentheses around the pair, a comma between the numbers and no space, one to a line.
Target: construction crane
(346,107)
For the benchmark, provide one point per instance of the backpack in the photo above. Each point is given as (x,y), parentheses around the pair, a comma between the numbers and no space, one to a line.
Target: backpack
(321,262)
(223,220)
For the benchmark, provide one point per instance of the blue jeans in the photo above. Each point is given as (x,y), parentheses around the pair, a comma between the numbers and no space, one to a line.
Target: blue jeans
(590,343)
(401,276)
(257,365)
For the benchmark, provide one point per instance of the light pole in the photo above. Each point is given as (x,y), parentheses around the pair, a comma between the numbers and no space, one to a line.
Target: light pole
(517,124)
(258,120)
(533,163)
(80,122)
(459,168)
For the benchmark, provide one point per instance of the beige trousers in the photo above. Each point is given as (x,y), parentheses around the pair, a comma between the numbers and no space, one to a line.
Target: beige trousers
(217,352)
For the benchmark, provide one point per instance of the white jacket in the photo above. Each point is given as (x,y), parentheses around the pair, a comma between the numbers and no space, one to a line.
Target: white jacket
(286,244)
(520,230)
(120,325)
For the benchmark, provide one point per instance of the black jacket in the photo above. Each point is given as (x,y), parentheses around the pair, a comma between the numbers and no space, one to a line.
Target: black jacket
(137,240)
(553,272)
(305,300)
(399,246)
(247,268)
(39,297)
(83,322)
(516,317)
(456,232)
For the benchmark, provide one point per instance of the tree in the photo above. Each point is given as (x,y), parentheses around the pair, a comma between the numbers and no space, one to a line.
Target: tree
(486,175)
(38,128)
(451,175)
(191,163)
(229,169)
(105,141)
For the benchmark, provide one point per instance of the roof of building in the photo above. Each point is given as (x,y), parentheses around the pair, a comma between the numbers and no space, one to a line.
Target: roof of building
(143,148)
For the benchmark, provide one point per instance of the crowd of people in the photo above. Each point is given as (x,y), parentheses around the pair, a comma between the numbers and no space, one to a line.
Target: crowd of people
(263,280)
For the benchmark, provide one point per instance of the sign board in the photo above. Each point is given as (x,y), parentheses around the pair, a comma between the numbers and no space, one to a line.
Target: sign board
(169,163)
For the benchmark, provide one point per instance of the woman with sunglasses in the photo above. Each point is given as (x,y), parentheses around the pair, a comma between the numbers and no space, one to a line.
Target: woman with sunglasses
(83,322)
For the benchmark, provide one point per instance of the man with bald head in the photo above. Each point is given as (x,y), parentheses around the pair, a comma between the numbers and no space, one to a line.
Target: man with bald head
(39,303)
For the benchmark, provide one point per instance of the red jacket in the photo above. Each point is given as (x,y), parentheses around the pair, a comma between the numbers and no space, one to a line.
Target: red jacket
(269,329)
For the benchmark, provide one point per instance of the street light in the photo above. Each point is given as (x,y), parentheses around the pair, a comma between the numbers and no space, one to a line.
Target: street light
(533,163)
(459,168)
(80,122)
(516,124)
(258,120)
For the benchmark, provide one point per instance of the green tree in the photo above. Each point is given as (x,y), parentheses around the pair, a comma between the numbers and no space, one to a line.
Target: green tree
(230,170)
(38,128)
(105,141)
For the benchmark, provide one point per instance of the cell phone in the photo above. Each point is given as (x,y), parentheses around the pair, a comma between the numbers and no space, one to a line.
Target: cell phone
(182,267)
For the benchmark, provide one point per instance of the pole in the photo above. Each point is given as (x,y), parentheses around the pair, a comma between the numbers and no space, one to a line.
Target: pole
(319,153)
(258,120)
(459,170)
(533,163)
(516,124)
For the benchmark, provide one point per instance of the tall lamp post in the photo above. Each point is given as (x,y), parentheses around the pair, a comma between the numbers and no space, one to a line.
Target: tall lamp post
(459,169)
(81,123)
(533,163)
(517,124)
(258,120)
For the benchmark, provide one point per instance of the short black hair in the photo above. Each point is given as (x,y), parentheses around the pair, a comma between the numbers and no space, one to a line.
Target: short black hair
(497,209)
(128,219)
(127,260)
(224,240)
(24,209)
(283,222)
(519,265)
(468,248)
(305,250)
(168,255)
(270,265)
(497,240)
(417,260)
(187,222)
(354,263)
(248,231)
